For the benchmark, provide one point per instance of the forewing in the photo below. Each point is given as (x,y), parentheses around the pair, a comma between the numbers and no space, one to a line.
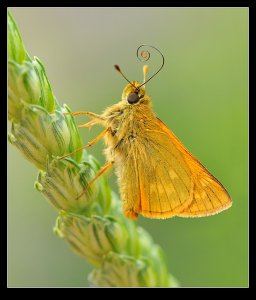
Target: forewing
(209,195)
(155,179)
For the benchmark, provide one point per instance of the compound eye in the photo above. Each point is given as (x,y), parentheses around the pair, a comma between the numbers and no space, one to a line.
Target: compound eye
(133,98)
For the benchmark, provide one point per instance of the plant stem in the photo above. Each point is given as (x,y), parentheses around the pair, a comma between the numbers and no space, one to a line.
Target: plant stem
(122,253)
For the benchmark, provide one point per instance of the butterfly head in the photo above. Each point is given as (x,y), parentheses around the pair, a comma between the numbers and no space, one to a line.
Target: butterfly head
(133,93)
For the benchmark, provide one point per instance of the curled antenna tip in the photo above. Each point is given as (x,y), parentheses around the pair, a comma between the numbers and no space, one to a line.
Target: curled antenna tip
(144,56)
(117,68)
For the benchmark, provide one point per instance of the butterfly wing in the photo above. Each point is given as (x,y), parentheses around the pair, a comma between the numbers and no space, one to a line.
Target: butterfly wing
(159,181)
(165,180)
(209,195)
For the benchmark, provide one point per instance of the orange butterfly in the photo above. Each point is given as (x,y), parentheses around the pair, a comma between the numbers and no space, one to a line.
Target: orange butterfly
(158,176)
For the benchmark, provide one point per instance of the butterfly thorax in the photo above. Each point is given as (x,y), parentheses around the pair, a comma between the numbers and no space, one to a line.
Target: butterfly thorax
(127,124)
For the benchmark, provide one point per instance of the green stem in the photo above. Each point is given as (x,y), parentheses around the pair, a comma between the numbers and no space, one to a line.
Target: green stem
(122,253)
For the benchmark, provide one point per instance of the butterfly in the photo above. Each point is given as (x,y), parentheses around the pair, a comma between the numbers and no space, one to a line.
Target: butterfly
(158,177)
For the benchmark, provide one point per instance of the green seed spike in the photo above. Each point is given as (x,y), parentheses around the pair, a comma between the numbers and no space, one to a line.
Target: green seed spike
(93,226)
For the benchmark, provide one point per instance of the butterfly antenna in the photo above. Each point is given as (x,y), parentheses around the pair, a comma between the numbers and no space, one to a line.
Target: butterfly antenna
(144,56)
(119,70)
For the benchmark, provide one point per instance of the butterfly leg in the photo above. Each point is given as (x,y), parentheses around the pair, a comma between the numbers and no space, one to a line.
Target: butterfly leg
(89,144)
(88,124)
(95,118)
(102,170)
(87,113)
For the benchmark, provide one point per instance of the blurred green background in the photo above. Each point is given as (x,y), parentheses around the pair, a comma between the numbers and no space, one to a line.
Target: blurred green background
(201,94)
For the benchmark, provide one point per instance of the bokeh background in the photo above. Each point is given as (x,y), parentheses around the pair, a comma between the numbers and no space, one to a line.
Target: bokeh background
(201,94)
